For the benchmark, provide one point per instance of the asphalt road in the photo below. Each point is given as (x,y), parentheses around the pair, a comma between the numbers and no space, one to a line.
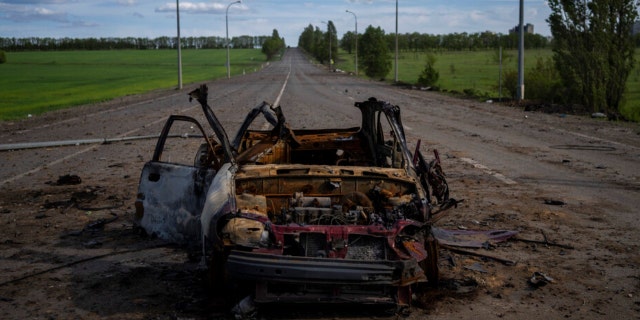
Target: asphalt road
(505,163)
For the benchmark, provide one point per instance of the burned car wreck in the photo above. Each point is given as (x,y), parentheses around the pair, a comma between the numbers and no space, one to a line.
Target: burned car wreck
(311,215)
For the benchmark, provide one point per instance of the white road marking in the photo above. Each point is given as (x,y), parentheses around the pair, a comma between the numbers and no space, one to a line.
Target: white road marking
(284,85)
(277,101)
(488,171)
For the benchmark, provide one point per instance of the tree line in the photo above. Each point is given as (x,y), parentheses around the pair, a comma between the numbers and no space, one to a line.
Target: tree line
(453,42)
(112,43)
(316,41)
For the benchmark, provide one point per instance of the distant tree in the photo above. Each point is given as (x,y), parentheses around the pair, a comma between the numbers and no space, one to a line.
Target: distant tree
(305,41)
(3,57)
(273,45)
(348,42)
(429,75)
(373,53)
(320,46)
(593,49)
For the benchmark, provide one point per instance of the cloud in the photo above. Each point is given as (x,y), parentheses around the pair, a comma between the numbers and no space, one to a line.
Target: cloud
(81,24)
(39,1)
(27,14)
(194,7)
(138,15)
(127,3)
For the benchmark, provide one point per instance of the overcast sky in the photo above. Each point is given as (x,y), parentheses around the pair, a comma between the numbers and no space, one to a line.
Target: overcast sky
(154,18)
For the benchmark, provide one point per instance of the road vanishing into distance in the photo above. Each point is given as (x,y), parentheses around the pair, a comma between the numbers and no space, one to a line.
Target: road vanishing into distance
(571,183)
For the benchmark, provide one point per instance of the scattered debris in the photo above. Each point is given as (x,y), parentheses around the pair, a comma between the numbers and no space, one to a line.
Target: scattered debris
(80,198)
(67,179)
(452,260)
(552,202)
(92,244)
(460,286)
(91,226)
(598,115)
(545,242)
(470,238)
(583,147)
(245,309)
(504,261)
(476,267)
(100,223)
(539,279)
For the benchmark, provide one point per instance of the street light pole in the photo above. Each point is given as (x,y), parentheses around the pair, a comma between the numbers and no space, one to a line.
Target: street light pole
(226,17)
(396,41)
(521,53)
(179,45)
(356,17)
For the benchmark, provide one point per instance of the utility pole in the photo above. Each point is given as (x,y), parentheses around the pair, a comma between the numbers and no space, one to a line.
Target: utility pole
(179,46)
(356,17)
(396,67)
(521,54)
(226,19)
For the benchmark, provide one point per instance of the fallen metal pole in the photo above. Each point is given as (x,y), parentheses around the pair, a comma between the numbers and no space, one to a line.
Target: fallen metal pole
(48,144)
(504,261)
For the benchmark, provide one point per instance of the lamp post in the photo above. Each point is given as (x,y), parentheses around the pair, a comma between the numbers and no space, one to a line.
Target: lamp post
(226,17)
(179,45)
(521,53)
(356,17)
(396,67)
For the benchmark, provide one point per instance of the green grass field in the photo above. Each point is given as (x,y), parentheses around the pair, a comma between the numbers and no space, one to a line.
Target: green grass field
(479,71)
(37,82)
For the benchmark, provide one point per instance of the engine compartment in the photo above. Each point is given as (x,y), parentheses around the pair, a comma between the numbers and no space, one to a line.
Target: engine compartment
(320,195)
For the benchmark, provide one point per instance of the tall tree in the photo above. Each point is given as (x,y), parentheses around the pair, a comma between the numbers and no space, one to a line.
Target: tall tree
(273,45)
(593,49)
(305,41)
(373,53)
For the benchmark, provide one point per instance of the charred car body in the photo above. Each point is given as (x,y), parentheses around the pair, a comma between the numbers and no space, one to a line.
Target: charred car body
(303,215)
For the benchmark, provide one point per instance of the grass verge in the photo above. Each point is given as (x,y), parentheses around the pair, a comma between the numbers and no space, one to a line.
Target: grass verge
(477,72)
(37,82)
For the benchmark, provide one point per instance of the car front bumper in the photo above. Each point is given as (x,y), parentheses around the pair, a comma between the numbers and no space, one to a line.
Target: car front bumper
(300,279)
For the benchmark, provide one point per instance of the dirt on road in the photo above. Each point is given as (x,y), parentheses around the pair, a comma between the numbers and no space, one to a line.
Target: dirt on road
(569,185)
